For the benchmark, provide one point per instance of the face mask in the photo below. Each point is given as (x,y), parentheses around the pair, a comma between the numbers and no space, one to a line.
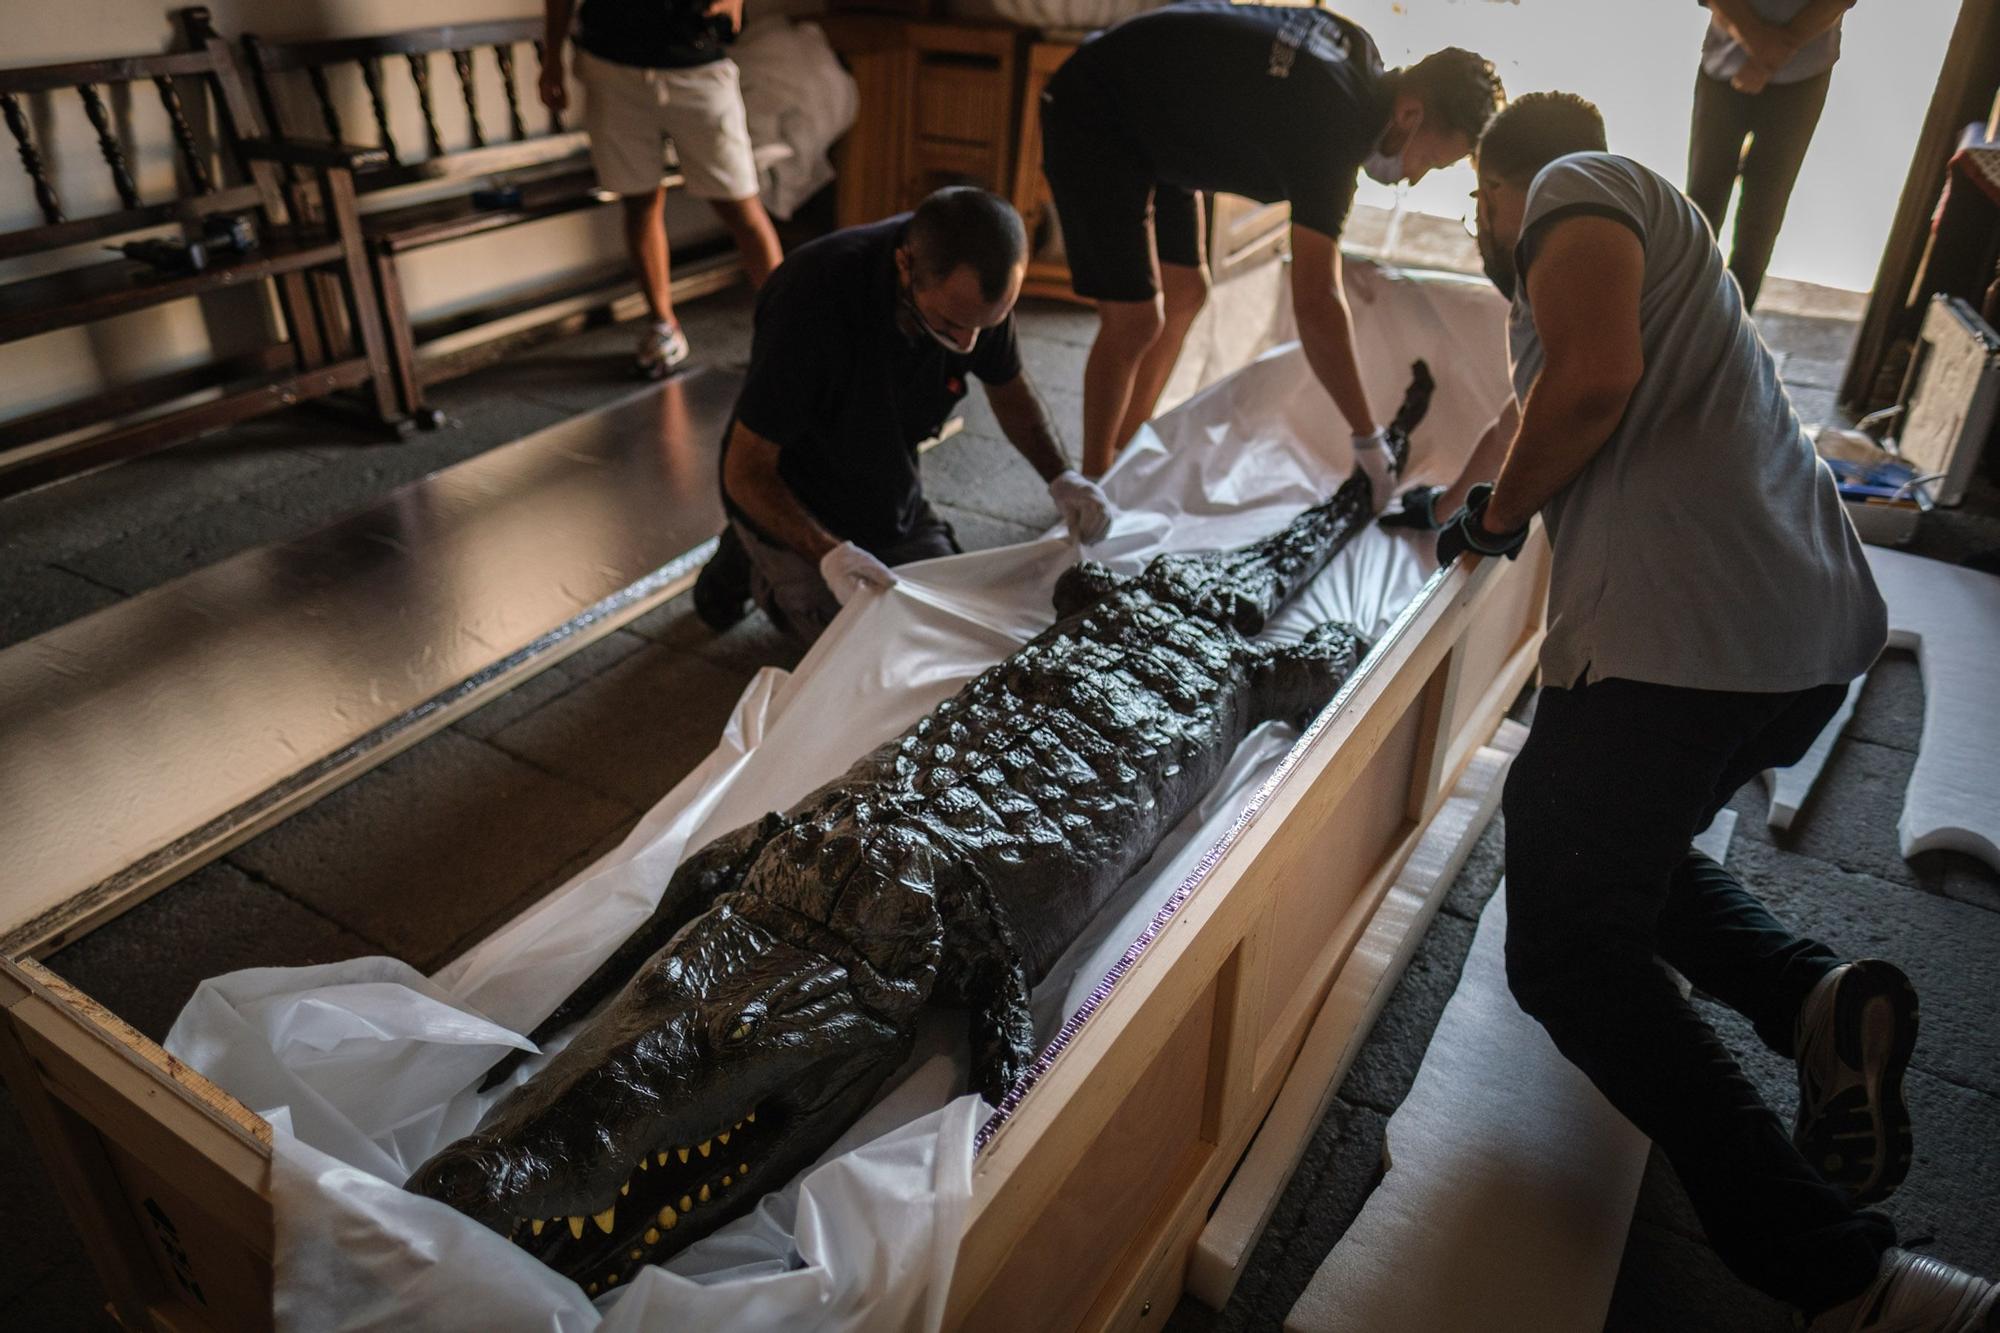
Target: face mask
(1384,167)
(914,317)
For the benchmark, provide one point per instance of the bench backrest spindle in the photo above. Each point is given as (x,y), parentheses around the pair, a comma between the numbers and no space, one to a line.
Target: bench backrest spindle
(461,61)
(504,53)
(31,158)
(107,143)
(371,77)
(420,74)
(191,154)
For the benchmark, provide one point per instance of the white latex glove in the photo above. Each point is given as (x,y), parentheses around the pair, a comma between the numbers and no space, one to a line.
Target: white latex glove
(1371,455)
(848,569)
(1081,502)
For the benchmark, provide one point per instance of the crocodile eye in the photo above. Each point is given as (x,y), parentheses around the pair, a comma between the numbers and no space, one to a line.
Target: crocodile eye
(742,1030)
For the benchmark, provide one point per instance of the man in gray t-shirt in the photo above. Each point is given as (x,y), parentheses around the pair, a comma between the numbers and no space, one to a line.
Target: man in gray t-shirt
(1708,605)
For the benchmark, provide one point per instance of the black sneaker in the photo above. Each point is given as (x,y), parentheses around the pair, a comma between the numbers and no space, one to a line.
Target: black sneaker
(722,589)
(1855,1034)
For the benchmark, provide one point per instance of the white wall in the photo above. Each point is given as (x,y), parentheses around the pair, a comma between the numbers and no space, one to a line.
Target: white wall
(57,367)
(1637,60)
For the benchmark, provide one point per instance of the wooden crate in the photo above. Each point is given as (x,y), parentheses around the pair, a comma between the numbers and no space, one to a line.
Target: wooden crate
(1089,1193)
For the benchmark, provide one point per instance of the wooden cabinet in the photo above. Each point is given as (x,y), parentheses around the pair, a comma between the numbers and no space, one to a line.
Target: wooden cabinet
(960,103)
(940,105)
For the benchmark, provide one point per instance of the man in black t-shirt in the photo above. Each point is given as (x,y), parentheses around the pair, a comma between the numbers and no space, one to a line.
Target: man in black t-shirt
(864,341)
(651,68)
(1266,102)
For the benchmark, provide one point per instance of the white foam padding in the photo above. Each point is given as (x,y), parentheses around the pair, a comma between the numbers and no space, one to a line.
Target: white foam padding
(1949,616)
(1791,786)
(1511,1179)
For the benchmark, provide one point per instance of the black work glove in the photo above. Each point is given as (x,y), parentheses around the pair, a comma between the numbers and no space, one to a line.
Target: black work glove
(1467,532)
(1418,510)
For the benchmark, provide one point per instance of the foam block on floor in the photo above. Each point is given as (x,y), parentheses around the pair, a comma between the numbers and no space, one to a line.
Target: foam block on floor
(1510,1186)
(1791,786)
(1949,616)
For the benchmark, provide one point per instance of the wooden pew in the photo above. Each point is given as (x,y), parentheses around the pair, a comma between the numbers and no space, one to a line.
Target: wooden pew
(421,188)
(305,353)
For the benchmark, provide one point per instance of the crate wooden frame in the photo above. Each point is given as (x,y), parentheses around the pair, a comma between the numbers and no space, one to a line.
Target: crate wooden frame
(1119,1148)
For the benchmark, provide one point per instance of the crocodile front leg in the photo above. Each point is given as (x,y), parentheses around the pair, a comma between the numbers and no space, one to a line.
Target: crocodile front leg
(1293,682)
(988,975)
(714,870)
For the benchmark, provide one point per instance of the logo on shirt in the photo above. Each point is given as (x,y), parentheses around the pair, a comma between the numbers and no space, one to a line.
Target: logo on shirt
(956,385)
(1285,46)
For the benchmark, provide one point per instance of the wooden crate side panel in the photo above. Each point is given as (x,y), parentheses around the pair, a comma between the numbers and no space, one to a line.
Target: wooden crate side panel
(1498,650)
(224,1283)
(1317,875)
(1145,1157)
(166,1176)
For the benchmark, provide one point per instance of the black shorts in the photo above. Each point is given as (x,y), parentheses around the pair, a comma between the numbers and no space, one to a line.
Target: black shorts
(1116,216)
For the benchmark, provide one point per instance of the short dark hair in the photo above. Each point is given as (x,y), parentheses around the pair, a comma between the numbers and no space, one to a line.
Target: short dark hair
(1460,90)
(1536,130)
(965,225)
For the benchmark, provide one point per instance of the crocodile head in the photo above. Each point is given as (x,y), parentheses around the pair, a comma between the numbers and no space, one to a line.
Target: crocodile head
(734,1057)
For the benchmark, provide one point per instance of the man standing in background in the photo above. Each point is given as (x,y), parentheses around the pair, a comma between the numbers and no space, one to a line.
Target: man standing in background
(1765,67)
(654,67)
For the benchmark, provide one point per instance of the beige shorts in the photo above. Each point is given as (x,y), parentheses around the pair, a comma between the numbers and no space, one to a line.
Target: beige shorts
(626,109)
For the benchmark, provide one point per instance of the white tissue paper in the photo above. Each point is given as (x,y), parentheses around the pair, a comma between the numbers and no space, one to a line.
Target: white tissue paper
(365,1068)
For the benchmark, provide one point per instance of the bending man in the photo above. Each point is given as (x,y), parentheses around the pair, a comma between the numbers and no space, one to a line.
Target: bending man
(1708,604)
(864,341)
(1272,103)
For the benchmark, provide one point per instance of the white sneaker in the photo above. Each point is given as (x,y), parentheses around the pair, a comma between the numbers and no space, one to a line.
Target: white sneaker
(1914,1293)
(662,350)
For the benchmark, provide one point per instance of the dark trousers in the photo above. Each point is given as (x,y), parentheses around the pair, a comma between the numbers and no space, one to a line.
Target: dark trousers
(1602,890)
(1779,124)
(789,587)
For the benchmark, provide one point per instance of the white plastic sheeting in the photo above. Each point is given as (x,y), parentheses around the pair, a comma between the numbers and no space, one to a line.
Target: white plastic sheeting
(365,1068)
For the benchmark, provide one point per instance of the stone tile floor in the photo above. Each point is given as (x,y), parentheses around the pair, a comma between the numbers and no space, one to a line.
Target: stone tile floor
(492,813)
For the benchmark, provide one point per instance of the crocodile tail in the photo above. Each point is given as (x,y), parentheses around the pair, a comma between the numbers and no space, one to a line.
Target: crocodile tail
(1268,573)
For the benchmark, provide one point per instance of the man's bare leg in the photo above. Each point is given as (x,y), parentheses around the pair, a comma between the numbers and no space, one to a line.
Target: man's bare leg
(646,242)
(1126,330)
(756,239)
(1185,290)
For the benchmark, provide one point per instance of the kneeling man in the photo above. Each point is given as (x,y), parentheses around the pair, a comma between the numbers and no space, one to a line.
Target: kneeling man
(863,344)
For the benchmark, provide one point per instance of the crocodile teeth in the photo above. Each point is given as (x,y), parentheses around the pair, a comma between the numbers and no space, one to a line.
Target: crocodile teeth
(682,1153)
(663,1157)
(645,1165)
(743,1168)
(590,1290)
(576,1228)
(687,1204)
(704,1194)
(652,1236)
(739,1124)
(603,1219)
(636,1255)
(535,1227)
(728,1180)
(723,1138)
(707,1146)
(624,1189)
(669,1218)
(751,1118)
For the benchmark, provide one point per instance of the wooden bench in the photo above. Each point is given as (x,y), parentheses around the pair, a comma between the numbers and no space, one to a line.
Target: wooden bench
(308,348)
(318,87)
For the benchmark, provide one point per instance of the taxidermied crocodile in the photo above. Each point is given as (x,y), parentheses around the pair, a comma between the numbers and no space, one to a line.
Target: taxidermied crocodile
(778,982)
